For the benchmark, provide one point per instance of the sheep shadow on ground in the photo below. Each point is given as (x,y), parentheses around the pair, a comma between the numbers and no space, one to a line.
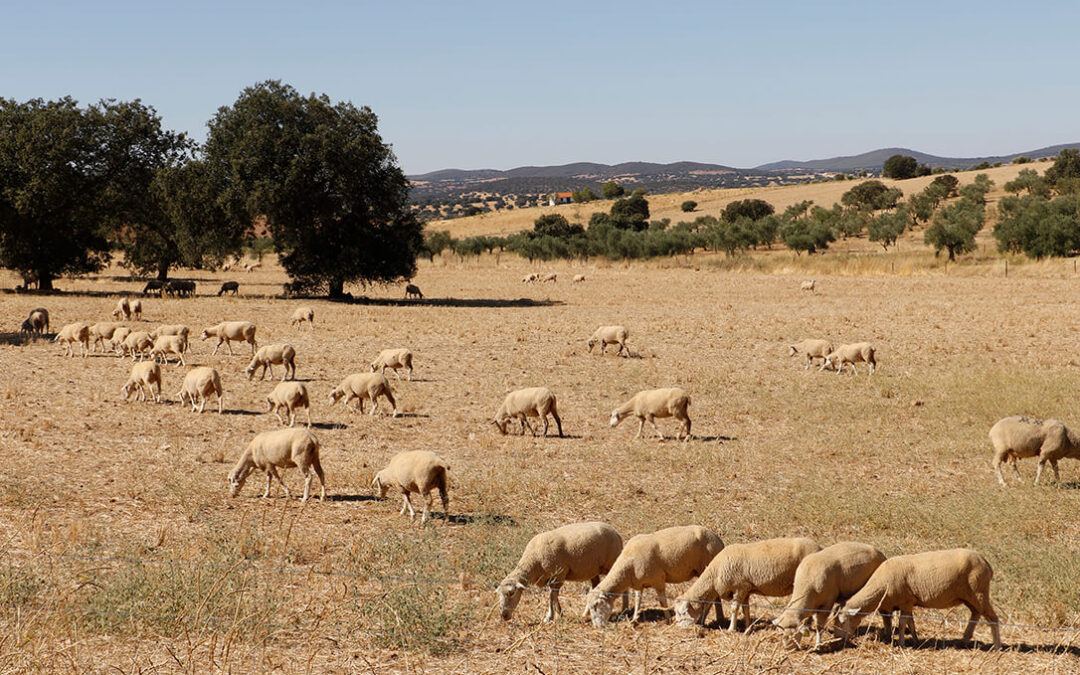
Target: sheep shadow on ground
(482,519)
(327,425)
(716,439)
(1069,485)
(352,498)
(414,415)
(16,339)
(237,411)
(491,303)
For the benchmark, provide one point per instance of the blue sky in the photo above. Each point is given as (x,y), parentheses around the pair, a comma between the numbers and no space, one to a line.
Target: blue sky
(503,84)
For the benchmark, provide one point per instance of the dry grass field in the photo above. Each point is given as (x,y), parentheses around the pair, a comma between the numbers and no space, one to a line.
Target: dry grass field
(123,551)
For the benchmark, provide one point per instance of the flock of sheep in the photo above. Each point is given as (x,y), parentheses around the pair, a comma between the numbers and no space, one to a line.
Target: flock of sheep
(833,588)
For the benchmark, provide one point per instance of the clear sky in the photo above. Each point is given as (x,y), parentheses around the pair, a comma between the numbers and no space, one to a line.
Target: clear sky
(460,84)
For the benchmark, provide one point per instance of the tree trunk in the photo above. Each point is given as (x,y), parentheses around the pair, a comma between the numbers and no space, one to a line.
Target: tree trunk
(337,288)
(44,281)
(163,272)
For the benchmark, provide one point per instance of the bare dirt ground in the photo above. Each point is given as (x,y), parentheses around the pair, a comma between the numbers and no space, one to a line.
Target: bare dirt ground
(124,553)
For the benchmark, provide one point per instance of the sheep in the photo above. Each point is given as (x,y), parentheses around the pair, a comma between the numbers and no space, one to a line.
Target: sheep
(610,335)
(26,328)
(100,333)
(169,344)
(268,355)
(136,343)
(364,386)
(283,448)
(419,471)
(669,556)
(577,552)
(653,403)
(136,309)
(229,287)
(228,331)
(813,349)
(807,285)
(851,354)
(72,333)
(252,266)
(740,570)
(173,329)
(123,309)
(145,377)
(413,291)
(532,277)
(529,402)
(394,359)
(825,578)
(290,396)
(553,278)
(200,383)
(37,322)
(936,580)
(578,278)
(301,315)
(153,286)
(118,336)
(1017,437)
(179,287)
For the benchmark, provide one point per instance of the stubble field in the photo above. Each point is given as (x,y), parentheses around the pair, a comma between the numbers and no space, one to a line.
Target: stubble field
(123,551)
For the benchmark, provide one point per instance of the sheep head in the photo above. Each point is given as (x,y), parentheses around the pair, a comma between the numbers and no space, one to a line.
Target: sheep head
(509,593)
(792,351)
(500,424)
(591,343)
(205,334)
(847,622)
(126,390)
(616,417)
(688,613)
(238,476)
(379,486)
(335,395)
(598,605)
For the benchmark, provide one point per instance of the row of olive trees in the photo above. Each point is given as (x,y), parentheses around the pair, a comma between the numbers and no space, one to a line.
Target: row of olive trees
(79,183)
(1041,216)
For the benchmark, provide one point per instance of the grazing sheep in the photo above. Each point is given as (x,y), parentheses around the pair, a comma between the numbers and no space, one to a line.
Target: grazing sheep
(532,277)
(290,396)
(268,355)
(419,471)
(393,358)
(578,278)
(827,577)
(199,383)
(610,335)
(669,556)
(169,344)
(807,285)
(146,377)
(72,333)
(252,266)
(851,354)
(1017,437)
(529,402)
(364,386)
(136,309)
(100,333)
(413,291)
(26,328)
(123,309)
(553,278)
(229,331)
(653,403)
(301,315)
(118,336)
(137,343)
(179,287)
(577,552)
(740,570)
(37,322)
(229,287)
(153,286)
(935,580)
(813,349)
(173,329)
(281,449)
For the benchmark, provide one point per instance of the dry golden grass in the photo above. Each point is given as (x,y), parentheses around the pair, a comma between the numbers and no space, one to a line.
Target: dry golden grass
(123,551)
(710,202)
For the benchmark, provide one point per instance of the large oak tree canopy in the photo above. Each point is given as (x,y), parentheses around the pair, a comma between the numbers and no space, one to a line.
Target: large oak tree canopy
(334,198)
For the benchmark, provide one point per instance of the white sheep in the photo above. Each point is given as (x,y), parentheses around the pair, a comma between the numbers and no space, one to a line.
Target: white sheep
(578,278)
(173,329)
(74,332)
(1017,437)
(577,552)
(290,396)
(199,383)
(610,335)
(252,266)
(118,337)
(739,571)
(123,309)
(364,386)
(858,352)
(669,556)
(145,377)
(136,309)
(653,403)
(530,278)
(529,402)
(101,333)
(229,331)
(419,471)
(169,344)
(393,358)
(827,577)
(136,343)
(268,355)
(302,314)
(281,449)
(812,349)
(807,285)
(552,277)
(935,580)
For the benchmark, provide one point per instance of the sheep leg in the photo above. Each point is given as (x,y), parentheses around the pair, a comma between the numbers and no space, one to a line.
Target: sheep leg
(969,631)
(410,373)
(652,421)
(545,426)
(637,607)
(308,475)
(408,504)
(202,402)
(640,426)
(1038,474)
(661,596)
(1057,476)
(374,404)
(525,423)
(997,468)
(427,507)
(269,483)
(277,411)
(307,409)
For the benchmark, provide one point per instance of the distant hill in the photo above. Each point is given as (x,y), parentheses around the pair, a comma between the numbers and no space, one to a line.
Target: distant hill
(586,170)
(875,159)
